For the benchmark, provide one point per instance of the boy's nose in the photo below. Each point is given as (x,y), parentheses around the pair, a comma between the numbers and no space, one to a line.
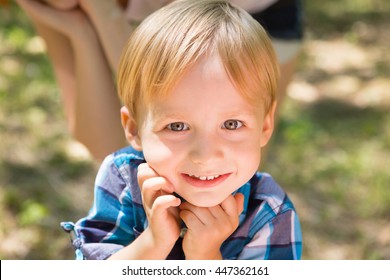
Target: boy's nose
(205,150)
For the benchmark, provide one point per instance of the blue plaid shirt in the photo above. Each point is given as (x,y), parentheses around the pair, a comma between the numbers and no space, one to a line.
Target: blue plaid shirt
(269,227)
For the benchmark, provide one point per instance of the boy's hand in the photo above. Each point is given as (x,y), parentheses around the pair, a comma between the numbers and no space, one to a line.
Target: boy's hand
(208,228)
(160,206)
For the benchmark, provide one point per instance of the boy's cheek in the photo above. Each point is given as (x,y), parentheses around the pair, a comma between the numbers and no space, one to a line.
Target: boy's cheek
(160,158)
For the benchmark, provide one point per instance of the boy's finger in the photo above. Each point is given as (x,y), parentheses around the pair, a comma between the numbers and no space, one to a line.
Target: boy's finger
(203,214)
(190,219)
(145,172)
(233,205)
(239,197)
(153,188)
(217,211)
(163,203)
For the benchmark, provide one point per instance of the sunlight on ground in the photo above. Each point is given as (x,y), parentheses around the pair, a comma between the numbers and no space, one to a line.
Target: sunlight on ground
(351,74)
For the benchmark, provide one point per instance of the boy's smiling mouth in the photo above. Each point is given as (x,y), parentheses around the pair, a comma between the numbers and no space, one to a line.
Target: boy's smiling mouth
(205,181)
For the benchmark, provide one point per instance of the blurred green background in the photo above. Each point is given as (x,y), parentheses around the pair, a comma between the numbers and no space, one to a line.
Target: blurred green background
(331,150)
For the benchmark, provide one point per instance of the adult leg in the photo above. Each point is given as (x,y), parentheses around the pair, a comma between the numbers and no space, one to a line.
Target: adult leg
(111,26)
(93,104)
(60,52)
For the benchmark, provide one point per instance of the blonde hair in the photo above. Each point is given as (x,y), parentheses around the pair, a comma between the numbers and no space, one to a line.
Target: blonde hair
(176,36)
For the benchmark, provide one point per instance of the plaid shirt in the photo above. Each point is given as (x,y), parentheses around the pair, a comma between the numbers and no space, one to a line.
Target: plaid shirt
(269,227)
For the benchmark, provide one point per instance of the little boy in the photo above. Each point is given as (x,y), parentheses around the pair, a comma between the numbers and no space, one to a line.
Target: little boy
(198,81)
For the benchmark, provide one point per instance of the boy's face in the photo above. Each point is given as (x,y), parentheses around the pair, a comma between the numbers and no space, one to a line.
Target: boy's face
(204,138)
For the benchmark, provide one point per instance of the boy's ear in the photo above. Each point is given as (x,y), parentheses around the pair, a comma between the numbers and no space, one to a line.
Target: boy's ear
(268,125)
(131,129)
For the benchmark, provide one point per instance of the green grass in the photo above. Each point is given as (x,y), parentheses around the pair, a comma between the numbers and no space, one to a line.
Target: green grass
(331,153)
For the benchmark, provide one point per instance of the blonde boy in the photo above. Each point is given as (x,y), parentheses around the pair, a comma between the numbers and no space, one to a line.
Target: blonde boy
(198,82)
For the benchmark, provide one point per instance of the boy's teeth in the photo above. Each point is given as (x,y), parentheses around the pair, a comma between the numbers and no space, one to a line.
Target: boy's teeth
(203,178)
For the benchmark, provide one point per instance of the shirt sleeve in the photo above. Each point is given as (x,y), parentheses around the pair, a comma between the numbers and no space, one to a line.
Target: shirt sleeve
(278,239)
(107,228)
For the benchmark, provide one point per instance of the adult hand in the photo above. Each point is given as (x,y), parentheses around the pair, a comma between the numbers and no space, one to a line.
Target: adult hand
(72,23)
(62,4)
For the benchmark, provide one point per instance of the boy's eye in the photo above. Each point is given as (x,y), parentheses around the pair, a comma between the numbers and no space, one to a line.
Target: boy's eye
(232,124)
(177,126)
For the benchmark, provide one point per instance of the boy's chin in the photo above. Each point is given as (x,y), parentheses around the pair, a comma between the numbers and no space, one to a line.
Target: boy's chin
(205,202)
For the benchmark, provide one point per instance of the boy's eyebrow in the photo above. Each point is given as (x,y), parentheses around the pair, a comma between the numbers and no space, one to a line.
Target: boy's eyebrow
(249,111)
(162,115)
(159,116)
(241,112)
